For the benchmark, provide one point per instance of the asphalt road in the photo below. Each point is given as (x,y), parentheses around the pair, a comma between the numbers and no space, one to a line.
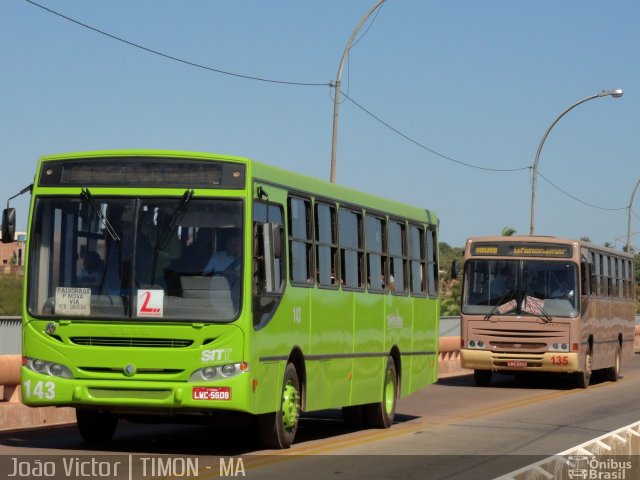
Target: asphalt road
(450,430)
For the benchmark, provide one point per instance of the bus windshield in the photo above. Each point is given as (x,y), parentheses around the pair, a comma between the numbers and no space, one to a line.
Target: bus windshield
(143,258)
(521,287)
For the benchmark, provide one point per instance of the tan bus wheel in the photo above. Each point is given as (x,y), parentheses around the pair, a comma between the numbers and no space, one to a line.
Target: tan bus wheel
(583,378)
(613,373)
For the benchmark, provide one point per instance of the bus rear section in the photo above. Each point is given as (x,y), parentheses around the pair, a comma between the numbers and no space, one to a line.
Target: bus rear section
(527,306)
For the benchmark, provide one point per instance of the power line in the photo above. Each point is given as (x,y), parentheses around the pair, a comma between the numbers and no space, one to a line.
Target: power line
(576,198)
(415,142)
(309,84)
(171,57)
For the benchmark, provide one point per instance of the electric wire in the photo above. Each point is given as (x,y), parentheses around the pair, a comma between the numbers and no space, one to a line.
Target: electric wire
(173,58)
(576,198)
(311,84)
(415,142)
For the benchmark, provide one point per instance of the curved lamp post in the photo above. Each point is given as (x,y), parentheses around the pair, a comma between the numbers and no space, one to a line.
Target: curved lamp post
(336,100)
(617,93)
(633,194)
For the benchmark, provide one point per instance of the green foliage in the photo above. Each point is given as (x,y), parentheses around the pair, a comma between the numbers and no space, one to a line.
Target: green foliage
(447,255)
(10,295)
(449,288)
(508,231)
(450,297)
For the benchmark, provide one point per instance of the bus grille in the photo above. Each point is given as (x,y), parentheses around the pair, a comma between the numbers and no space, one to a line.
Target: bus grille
(505,360)
(108,393)
(140,371)
(131,342)
(518,345)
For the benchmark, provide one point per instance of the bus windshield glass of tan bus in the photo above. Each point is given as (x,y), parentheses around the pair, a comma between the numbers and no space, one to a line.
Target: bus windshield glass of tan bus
(521,287)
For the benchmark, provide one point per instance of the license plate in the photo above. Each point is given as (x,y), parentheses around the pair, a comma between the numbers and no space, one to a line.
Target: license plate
(516,363)
(211,393)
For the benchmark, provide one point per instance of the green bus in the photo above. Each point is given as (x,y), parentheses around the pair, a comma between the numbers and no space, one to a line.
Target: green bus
(180,284)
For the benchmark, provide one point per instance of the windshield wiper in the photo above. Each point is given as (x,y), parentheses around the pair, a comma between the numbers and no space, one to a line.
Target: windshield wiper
(499,304)
(533,305)
(86,195)
(176,217)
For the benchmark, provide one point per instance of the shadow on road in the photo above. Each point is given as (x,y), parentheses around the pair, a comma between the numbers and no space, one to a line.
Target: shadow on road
(177,439)
(530,380)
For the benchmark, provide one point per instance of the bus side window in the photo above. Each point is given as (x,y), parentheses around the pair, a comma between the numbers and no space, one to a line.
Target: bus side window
(300,241)
(584,276)
(268,261)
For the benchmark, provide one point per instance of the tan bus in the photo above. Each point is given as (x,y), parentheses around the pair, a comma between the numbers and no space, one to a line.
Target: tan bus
(545,304)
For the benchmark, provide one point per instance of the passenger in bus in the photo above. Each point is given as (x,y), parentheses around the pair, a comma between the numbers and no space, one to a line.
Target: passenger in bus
(503,281)
(228,260)
(562,290)
(93,269)
(227,263)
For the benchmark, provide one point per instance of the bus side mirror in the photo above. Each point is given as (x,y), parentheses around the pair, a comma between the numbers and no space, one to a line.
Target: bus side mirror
(454,269)
(8,225)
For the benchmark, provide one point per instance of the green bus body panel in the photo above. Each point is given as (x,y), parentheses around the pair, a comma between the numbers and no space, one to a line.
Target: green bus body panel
(344,337)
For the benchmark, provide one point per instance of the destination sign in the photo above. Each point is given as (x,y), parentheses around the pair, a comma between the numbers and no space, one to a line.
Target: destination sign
(520,249)
(142,172)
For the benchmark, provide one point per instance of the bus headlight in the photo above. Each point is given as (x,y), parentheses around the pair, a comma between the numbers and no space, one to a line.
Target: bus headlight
(226,371)
(559,347)
(47,368)
(478,344)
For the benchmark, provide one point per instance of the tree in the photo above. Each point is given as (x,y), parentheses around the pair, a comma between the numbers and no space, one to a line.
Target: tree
(449,288)
(508,231)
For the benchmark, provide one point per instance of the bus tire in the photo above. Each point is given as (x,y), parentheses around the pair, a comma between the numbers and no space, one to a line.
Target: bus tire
(482,377)
(278,429)
(382,413)
(583,378)
(613,373)
(96,426)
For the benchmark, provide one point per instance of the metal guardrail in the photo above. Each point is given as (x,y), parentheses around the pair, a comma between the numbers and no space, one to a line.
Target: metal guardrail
(608,456)
(10,336)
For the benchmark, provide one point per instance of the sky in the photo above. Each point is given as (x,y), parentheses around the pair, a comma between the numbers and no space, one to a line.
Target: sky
(431,85)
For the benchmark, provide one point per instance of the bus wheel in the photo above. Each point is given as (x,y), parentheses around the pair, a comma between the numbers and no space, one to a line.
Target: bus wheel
(583,378)
(278,429)
(482,377)
(613,373)
(381,414)
(96,426)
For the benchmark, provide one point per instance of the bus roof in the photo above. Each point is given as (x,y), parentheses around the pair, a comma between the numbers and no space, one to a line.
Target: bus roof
(543,239)
(273,175)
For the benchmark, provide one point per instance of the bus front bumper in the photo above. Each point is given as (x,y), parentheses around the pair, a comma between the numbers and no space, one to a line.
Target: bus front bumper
(540,362)
(44,390)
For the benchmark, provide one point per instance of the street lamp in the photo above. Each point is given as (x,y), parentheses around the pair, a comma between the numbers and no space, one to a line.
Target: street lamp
(617,93)
(633,194)
(336,100)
